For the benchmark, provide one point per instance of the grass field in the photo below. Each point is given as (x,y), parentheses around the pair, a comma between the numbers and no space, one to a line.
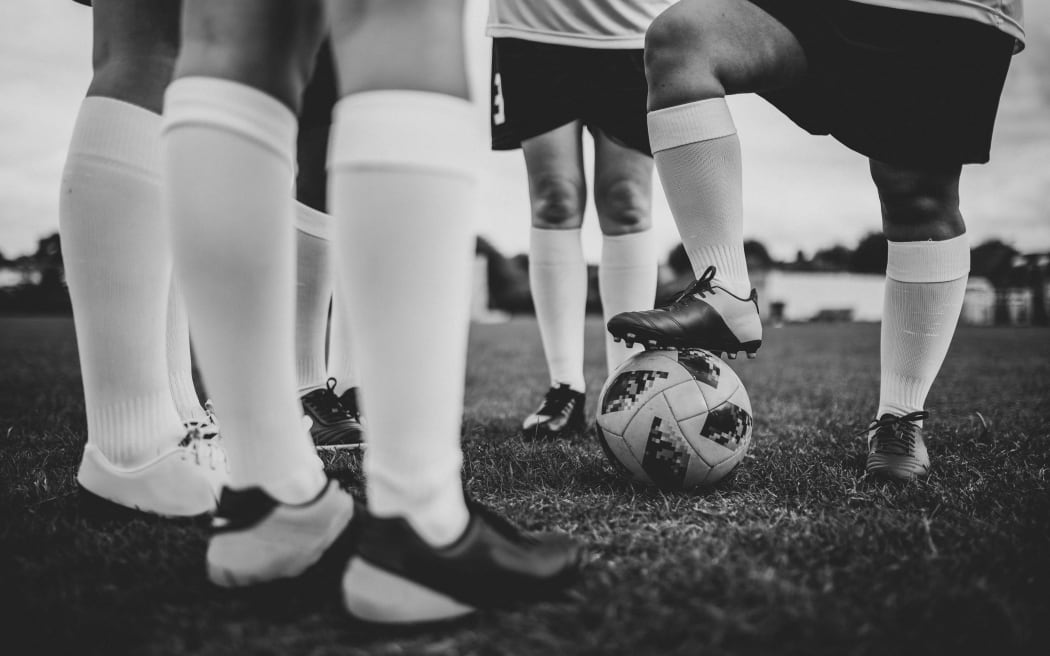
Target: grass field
(797,553)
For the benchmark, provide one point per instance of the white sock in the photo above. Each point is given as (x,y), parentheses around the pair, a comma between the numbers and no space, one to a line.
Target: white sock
(227,153)
(340,358)
(627,281)
(118,267)
(925,285)
(403,186)
(697,155)
(313,296)
(558,279)
(180,362)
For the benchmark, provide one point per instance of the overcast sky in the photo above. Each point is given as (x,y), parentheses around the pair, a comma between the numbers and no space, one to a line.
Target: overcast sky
(801,192)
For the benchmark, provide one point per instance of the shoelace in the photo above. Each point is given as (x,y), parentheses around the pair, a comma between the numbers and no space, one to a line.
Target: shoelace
(556,400)
(208,427)
(700,287)
(203,449)
(902,431)
(326,404)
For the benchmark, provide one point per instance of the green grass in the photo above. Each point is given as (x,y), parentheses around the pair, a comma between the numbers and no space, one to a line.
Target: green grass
(797,553)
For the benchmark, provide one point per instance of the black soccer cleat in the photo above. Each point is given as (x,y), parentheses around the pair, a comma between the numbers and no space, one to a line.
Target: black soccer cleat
(333,426)
(350,402)
(704,316)
(395,577)
(896,449)
(560,413)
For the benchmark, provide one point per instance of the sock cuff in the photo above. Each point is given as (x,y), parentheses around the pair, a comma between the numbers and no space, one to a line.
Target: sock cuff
(547,246)
(629,250)
(118,131)
(702,120)
(405,128)
(928,261)
(313,222)
(233,106)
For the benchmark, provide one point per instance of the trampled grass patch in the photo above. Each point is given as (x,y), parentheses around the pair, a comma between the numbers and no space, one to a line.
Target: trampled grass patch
(797,552)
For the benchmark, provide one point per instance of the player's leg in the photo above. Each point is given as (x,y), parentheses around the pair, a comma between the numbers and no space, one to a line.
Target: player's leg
(929,262)
(696,53)
(623,184)
(403,184)
(919,111)
(118,267)
(333,425)
(558,272)
(228,154)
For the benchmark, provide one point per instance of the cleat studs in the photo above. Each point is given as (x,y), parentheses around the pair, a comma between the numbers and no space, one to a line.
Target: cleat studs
(732,355)
(751,355)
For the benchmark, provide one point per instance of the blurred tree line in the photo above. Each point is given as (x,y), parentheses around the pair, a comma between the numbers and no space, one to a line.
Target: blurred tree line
(35,284)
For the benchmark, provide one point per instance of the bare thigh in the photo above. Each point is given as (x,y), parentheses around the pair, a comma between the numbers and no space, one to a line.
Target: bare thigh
(270,45)
(134,48)
(700,49)
(412,45)
(623,187)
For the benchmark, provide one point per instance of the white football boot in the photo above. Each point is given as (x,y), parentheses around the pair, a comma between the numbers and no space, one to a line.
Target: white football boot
(258,539)
(705,316)
(183,481)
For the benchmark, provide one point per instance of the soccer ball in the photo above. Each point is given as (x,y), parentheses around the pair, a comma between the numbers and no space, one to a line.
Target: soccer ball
(674,419)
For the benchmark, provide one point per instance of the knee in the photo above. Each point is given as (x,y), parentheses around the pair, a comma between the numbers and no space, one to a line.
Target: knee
(556,203)
(671,40)
(682,57)
(918,199)
(623,207)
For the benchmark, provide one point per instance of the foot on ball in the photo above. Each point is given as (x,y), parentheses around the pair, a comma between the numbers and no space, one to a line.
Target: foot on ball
(705,316)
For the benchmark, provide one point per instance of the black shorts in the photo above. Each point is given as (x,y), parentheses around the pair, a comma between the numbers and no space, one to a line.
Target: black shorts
(900,87)
(537,87)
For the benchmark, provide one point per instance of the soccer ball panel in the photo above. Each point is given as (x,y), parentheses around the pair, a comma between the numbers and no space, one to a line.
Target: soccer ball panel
(619,453)
(703,366)
(712,452)
(685,400)
(632,384)
(719,471)
(657,443)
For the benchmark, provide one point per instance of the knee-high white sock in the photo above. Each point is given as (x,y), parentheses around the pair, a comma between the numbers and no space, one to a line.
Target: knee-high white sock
(340,357)
(227,152)
(627,281)
(403,186)
(925,285)
(180,362)
(118,267)
(313,296)
(697,155)
(558,279)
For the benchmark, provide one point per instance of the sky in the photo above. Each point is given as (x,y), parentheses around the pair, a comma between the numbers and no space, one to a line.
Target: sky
(800,192)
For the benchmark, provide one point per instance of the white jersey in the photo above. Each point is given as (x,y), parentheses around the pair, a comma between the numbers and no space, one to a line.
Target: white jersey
(615,24)
(1006,15)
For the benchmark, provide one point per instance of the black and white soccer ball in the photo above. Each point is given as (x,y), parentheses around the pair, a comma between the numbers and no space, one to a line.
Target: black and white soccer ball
(674,419)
